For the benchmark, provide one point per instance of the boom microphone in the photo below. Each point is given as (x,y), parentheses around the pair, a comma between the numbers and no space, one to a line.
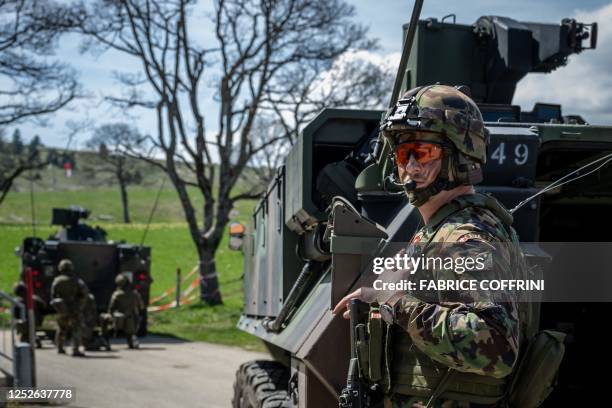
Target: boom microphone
(410,186)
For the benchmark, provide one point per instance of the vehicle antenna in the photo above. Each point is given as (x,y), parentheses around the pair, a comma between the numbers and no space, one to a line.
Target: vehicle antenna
(558,183)
(144,235)
(401,70)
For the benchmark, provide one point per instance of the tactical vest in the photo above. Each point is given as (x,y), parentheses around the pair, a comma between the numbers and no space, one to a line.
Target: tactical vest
(408,371)
(67,288)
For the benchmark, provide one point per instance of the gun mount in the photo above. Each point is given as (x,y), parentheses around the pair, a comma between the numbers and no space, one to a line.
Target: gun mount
(73,229)
(492,55)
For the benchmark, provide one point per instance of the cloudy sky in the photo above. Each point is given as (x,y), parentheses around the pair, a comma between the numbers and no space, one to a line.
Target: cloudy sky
(583,87)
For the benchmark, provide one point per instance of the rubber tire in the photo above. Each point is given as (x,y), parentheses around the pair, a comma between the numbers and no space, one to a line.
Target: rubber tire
(261,384)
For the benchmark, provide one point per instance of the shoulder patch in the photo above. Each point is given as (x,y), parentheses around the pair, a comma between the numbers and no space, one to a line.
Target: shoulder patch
(475,236)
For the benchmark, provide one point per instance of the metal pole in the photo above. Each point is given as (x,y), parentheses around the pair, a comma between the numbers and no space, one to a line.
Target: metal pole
(178,287)
(13,328)
(144,234)
(31,323)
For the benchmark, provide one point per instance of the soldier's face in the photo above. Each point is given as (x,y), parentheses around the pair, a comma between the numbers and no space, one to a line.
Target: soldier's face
(422,174)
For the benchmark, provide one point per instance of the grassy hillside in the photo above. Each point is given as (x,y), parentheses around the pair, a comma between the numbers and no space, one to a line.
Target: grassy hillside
(97,190)
(105,205)
(90,172)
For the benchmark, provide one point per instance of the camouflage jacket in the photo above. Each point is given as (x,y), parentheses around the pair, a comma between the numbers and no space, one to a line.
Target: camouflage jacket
(90,311)
(482,336)
(127,302)
(71,289)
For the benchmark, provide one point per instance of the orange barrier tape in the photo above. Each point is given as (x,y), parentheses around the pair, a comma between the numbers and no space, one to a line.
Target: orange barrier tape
(172,289)
(165,294)
(185,299)
(194,284)
(189,300)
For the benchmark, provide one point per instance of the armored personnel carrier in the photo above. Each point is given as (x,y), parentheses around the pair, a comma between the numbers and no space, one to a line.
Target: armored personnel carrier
(304,251)
(96,260)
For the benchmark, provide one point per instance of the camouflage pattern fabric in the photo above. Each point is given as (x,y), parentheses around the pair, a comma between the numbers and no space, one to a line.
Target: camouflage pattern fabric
(73,291)
(480,337)
(90,312)
(129,303)
(71,323)
(444,110)
(91,324)
(440,114)
(415,402)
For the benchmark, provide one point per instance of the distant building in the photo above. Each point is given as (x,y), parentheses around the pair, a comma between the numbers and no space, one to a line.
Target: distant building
(68,168)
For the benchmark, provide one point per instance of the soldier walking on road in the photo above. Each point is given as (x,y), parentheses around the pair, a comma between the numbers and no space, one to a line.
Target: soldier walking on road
(125,307)
(68,297)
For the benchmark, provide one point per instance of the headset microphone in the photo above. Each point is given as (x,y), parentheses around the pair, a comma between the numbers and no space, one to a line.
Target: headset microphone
(410,186)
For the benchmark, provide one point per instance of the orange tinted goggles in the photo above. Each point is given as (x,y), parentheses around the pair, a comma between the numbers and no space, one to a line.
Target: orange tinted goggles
(423,152)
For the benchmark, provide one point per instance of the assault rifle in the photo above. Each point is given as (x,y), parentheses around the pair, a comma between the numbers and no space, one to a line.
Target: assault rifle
(353,395)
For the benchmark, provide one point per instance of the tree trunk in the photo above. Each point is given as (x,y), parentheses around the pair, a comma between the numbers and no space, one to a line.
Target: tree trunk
(209,282)
(4,189)
(7,183)
(124,200)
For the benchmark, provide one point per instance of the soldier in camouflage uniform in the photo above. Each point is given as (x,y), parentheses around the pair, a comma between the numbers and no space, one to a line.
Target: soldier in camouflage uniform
(125,307)
(439,146)
(68,296)
(23,328)
(95,334)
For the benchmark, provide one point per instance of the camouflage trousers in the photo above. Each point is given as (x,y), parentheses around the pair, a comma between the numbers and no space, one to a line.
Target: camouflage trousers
(96,333)
(126,323)
(72,324)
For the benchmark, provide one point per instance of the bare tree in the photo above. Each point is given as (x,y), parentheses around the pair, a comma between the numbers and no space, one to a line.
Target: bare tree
(111,141)
(16,158)
(267,161)
(357,79)
(31,85)
(257,41)
(352,81)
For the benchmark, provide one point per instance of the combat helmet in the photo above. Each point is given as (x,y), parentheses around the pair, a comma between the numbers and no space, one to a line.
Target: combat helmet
(121,280)
(65,266)
(445,115)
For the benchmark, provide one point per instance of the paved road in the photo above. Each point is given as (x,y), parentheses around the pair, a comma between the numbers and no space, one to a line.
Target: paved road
(164,372)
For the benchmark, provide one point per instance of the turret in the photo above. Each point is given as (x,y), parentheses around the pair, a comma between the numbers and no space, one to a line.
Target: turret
(492,55)
(72,227)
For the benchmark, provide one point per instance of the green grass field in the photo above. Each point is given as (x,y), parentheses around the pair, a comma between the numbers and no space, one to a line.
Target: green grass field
(16,208)
(171,244)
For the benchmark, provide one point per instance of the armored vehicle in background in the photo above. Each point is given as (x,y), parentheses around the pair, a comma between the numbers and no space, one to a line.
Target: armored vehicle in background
(332,202)
(96,260)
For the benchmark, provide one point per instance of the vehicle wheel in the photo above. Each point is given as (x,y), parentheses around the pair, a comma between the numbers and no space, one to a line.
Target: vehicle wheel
(261,384)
